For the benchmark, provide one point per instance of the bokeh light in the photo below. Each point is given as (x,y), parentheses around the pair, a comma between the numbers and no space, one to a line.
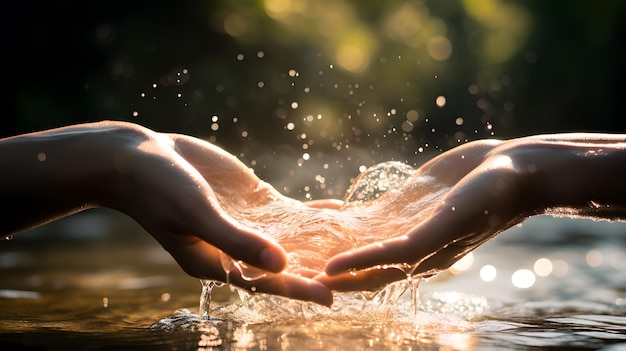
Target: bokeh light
(594,258)
(543,267)
(488,273)
(463,264)
(523,278)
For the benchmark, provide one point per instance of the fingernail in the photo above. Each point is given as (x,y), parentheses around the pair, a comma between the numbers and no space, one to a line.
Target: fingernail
(272,260)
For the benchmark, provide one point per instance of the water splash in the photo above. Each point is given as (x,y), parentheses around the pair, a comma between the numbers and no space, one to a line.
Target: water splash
(384,201)
(377,180)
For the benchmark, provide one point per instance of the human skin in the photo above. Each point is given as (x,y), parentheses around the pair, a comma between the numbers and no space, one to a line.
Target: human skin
(493,185)
(165,182)
(168,184)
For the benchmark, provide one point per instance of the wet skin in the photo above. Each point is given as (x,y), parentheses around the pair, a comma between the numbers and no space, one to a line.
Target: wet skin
(168,184)
(493,185)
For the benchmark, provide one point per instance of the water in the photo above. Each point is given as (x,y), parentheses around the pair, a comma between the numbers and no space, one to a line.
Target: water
(384,201)
(121,291)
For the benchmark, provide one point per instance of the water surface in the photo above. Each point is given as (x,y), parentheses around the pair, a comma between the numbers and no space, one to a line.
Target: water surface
(96,281)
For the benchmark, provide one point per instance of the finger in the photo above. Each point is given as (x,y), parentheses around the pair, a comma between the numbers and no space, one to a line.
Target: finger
(395,251)
(445,225)
(238,241)
(205,218)
(203,261)
(425,239)
(445,258)
(197,216)
(365,280)
(287,285)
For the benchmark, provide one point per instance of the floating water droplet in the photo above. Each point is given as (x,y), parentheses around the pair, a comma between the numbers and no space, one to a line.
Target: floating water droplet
(440,101)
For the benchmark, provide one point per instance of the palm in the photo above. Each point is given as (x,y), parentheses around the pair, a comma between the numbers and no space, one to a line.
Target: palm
(479,199)
(182,188)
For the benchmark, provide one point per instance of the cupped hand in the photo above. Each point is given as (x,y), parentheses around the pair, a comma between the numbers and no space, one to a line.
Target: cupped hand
(487,192)
(175,186)
(171,185)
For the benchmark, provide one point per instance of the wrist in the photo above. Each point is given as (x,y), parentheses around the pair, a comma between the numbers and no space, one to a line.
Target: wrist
(114,145)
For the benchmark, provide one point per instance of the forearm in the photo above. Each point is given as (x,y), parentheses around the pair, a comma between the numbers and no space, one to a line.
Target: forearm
(577,174)
(52,174)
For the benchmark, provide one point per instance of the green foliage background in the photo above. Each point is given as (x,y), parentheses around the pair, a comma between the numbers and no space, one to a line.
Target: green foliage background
(365,75)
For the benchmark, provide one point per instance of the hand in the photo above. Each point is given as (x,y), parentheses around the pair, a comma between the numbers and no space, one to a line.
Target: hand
(491,186)
(167,183)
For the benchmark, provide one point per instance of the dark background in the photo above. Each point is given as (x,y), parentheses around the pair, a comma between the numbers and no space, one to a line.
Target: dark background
(516,68)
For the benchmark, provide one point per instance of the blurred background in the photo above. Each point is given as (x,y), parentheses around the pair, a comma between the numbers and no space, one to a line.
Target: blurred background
(308,93)
(318,90)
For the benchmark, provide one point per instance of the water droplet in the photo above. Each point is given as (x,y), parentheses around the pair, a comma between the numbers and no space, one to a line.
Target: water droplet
(440,101)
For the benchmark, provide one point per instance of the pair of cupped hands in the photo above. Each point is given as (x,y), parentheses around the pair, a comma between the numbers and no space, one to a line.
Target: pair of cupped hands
(169,184)
(170,181)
